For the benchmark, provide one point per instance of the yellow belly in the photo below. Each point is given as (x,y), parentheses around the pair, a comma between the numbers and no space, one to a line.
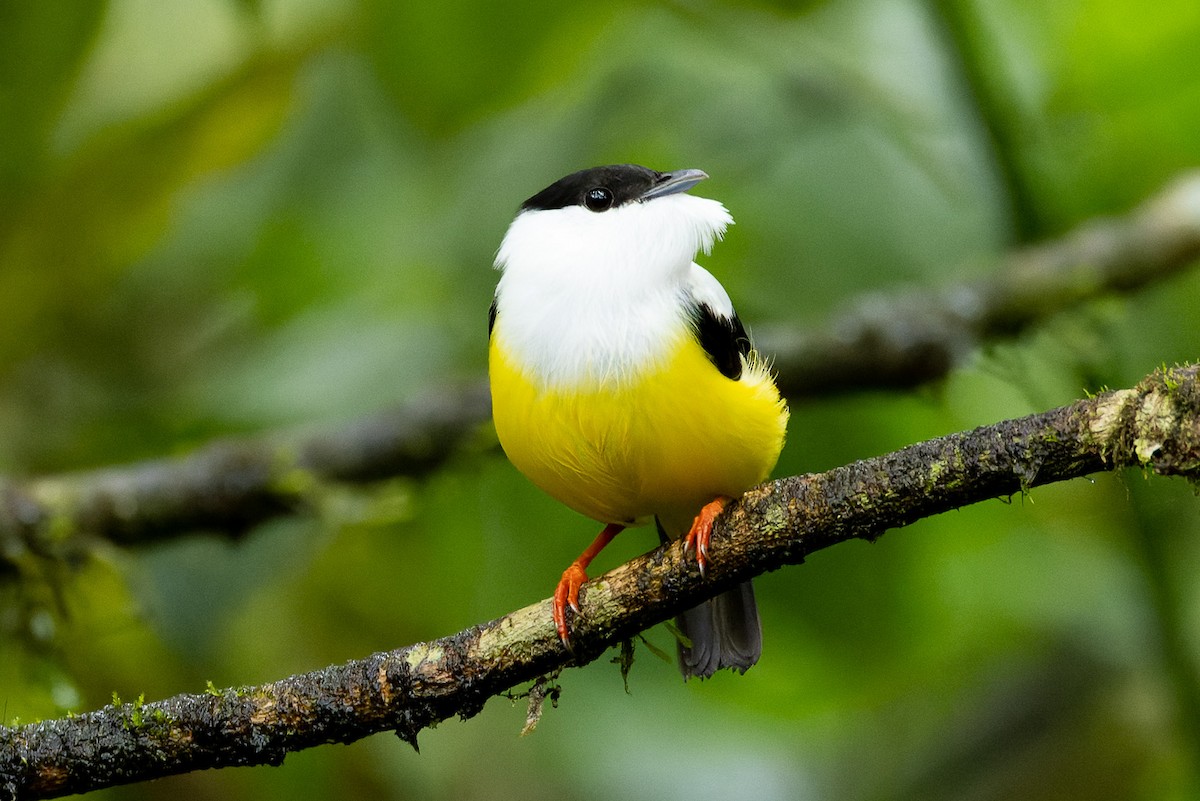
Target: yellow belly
(664,443)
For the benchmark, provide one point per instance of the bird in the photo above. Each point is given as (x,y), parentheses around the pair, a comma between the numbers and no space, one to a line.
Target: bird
(624,384)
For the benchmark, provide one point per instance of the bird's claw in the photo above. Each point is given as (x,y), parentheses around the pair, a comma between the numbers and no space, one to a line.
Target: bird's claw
(566,594)
(700,533)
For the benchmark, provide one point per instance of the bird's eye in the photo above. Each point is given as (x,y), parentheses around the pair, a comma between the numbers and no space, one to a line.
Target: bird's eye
(598,199)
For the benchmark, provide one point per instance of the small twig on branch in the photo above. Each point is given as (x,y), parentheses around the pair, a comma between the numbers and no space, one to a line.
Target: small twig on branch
(1155,425)
(896,340)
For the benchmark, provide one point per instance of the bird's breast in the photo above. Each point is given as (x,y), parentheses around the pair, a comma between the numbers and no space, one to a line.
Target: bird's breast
(668,433)
(589,340)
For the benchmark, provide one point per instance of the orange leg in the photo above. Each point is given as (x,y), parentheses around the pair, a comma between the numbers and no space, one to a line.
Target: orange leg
(701,531)
(567,592)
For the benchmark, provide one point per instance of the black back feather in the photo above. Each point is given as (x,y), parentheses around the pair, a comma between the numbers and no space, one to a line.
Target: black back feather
(723,338)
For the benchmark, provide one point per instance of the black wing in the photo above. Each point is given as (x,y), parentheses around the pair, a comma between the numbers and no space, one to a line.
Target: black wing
(723,338)
(491,317)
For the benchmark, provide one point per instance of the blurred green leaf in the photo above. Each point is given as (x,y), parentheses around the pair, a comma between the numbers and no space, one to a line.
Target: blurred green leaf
(41,48)
(448,65)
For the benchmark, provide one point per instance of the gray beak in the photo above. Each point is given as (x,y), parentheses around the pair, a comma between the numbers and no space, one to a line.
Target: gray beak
(676,181)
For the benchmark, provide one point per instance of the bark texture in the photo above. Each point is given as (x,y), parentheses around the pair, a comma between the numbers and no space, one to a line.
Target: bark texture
(1155,426)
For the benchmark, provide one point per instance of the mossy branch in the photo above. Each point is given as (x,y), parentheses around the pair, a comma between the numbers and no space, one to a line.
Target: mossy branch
(1155,426)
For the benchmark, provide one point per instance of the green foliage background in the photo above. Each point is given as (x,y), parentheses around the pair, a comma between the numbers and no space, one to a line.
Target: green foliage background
(221,217)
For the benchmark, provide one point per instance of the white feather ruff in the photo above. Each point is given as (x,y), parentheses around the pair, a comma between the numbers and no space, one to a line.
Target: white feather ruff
(592,298)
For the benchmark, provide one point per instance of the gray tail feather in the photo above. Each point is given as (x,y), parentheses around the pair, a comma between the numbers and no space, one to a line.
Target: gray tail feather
(724,632)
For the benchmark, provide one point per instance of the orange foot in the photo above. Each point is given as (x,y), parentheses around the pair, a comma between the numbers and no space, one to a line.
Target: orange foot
(567,592)
(701,531)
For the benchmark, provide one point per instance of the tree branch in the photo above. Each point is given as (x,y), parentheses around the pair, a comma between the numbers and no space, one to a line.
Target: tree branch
(884,341)
(231,485)
(902,340)
(1155,425)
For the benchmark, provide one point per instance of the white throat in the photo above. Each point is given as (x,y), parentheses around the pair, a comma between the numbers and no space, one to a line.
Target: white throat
(595,299)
